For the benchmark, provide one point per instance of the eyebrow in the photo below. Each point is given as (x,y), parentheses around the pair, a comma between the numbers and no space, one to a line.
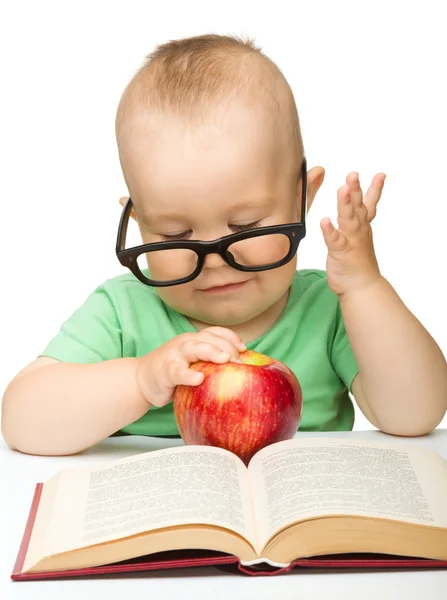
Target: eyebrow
(161,218)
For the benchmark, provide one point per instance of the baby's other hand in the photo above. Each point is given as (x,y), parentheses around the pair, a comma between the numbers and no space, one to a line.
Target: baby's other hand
(351,262)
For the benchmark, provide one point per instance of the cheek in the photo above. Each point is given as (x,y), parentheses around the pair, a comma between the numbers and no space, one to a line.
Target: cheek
(277,281)
(177,297)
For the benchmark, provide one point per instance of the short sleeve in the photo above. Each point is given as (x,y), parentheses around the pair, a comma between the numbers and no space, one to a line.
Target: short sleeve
(92,333)
(342,356)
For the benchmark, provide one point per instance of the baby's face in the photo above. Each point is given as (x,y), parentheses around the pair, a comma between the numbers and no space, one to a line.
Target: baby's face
(202,183)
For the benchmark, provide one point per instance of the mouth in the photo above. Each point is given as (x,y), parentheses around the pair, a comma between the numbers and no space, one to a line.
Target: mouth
(224,289)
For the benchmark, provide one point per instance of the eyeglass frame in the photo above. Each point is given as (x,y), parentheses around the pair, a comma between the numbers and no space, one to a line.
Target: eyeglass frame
(128,256)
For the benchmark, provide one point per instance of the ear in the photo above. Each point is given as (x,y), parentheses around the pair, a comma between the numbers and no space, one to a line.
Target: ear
(315,178)
(123,201)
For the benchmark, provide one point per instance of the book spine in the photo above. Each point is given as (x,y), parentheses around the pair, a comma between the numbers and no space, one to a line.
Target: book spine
(155,565)
(322,562)
(18,566)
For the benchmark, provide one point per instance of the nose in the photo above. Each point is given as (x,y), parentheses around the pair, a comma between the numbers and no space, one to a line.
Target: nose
(212,261)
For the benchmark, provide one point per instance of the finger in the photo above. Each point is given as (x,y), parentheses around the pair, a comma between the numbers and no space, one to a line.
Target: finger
(223,343)
(335,240)
(194,350)
(356,191)
(348,219)
(374,194)
(229,335)
(179,374)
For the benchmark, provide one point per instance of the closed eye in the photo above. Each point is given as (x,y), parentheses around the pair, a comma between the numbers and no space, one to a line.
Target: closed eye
(184,234)
(246,227)
(177,236)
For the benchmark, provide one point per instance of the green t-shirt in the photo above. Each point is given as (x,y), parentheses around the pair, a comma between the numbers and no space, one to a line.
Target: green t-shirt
(125,318)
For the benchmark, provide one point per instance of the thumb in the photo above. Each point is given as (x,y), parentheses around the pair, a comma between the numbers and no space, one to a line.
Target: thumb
(334,239)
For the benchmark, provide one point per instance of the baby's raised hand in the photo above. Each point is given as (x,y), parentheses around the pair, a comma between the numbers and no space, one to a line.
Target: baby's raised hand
(160,371)
(351,262)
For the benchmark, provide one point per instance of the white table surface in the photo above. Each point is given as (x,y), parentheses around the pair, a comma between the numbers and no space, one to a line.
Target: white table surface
(20,472)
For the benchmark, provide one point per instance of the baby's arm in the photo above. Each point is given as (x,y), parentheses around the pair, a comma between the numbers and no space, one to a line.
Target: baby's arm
(401,387)
(60,408)
(56,408)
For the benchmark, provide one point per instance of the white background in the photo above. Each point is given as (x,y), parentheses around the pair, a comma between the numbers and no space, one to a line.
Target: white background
(369,82)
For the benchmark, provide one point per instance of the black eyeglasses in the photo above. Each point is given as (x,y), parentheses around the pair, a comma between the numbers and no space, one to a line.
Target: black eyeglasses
(180,261)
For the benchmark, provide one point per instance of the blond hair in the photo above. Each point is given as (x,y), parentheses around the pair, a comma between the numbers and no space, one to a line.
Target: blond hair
(188,76)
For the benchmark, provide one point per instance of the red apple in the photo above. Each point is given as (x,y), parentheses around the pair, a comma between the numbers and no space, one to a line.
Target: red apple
(240,407)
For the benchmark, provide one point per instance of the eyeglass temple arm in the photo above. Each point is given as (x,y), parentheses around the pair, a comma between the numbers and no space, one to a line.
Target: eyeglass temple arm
(304,190)
(122,229)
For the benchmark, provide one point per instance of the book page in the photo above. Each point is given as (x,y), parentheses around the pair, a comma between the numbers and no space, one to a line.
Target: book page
(301,479)
(175,486)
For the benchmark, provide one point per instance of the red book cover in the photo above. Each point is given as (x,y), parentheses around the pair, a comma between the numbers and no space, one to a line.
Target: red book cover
(199,558)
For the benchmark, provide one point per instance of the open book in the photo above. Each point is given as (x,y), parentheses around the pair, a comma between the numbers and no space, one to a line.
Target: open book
(299,498)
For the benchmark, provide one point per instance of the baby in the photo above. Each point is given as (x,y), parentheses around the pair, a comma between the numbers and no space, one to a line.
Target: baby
(212,154)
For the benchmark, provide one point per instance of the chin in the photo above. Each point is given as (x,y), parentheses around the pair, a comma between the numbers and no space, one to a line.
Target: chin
(224,318)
